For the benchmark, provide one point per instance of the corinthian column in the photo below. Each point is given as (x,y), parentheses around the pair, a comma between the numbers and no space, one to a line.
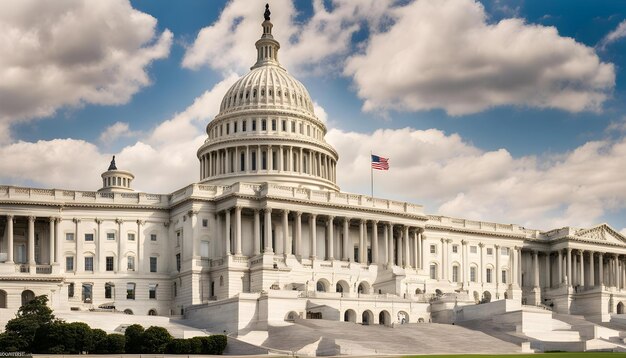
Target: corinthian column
(375,242)
(31,240)
(51,240)
(10,239)
(313,228)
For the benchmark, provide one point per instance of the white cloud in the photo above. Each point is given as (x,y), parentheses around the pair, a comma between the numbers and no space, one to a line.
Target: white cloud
(452,177)
(444,54)
(320,43)
(623,232)
(615,35)
(162,160)
(70,53)
(116,131)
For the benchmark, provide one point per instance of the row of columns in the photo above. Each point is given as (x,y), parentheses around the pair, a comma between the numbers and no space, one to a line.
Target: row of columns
(289,159)
(55,241)
(409,252)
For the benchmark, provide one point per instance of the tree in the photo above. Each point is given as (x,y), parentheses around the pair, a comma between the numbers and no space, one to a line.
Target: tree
(133,338)
(100,342)
(154,340)
(28,319)
(116,343)
(12,342)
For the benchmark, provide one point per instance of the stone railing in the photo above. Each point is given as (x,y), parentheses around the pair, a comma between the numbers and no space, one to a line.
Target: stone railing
(482,226)
(11,193)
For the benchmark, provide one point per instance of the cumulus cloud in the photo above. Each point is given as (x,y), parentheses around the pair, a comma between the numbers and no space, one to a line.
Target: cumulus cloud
(162,160)
(444,54)
(116,131)
(453,177)
(615,35)
(319,43)
(73,52)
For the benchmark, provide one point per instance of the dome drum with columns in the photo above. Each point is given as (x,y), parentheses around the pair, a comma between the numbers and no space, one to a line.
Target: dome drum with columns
(267,130)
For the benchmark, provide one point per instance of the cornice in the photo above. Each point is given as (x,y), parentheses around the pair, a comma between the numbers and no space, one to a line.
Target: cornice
(478,232)
(267,138)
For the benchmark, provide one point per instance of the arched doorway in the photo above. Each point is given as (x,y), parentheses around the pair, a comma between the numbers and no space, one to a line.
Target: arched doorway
(152,312)
(486,297)
(342,287)
(384,318)
(128,311)
(27,296)
(367,317)
(403,317)
(3,299)
(364,288)
(349,316)
(291,316)
(321,286)
(620,308)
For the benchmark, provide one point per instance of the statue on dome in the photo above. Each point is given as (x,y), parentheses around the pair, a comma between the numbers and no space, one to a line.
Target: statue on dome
(267,13)
(112,166)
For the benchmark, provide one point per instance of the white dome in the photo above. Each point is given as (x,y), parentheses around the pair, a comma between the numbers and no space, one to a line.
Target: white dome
(268,86)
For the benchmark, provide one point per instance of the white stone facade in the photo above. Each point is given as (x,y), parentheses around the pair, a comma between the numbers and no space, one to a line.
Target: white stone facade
(266,235)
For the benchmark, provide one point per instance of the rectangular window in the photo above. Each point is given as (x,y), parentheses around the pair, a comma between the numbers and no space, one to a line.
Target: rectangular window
(504,251)
(153,264)
(89,263)
(153,237)
(178,262)
(273,124)
(227,128)
(130,291)
(131,237)
(109,263)
(235,127)
(301,128)
(175,290)
(455,249)
(244,125)
(178,236)
(88,237)
(205,222)
(254,125)
(473,249)
(69,236)
(489,251)
(433,272)
(308,130)
(152,291)
(70,290)
(263,160)
(433,249)
(130,263)
(110,236)
(108,290)
(263,125)
(293,127)
(473,274)
(253,160)
(204,248)
(455,274)
(503,276)
(488,278)
(69,263)
(284,124)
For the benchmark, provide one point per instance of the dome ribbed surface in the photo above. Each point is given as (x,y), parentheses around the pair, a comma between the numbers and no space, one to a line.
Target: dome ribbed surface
(268,87)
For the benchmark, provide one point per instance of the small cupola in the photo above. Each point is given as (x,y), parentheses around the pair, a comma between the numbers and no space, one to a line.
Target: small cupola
(115,180)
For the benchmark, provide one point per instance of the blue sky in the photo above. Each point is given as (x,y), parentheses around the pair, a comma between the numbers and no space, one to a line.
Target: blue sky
(464,153)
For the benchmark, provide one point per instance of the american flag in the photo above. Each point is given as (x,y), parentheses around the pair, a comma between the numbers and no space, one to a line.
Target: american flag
(380,163)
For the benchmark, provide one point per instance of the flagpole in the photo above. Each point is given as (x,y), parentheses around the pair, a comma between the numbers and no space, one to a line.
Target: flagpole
(371,175)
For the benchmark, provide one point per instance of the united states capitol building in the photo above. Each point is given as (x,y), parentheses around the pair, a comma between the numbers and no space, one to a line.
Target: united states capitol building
(267,235)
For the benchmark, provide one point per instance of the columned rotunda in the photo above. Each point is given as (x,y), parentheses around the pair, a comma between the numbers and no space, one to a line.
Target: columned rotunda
(266,235)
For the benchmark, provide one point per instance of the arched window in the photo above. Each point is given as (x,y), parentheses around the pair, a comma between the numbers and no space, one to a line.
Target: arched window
(27,296)
(152,312)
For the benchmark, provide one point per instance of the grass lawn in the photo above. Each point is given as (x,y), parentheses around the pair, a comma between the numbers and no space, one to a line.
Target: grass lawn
(530,355)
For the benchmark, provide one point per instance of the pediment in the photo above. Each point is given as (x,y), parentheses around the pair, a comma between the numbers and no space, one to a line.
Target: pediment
(602,233)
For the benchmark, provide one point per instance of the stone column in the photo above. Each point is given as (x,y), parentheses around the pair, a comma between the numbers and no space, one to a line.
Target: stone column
(569,267)
(600,269)
(31,240)
(140,240)
(582,268)
(51,240)
(592,270)
(313,228)
(238,230)
(257,233)
(548,283)
(536,268)
(99,246)
(286,239)
(120,253)
(270,158)
(443,260)
(407,247)
(416,260)
(464,265)
(399,248)
(280,159)
(482,263)
(420,239)
(386,242)
(268,231)
(10,239)
(361,241)
(346,239)
(299,234)
(390,257)
(615,271)
(331,241)
(227,228)
(375,259)
(59,243)
(560,267)
(497,269)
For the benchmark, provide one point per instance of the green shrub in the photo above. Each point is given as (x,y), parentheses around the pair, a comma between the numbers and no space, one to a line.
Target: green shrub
(178,346)
(12,342)
(100,344)
(214,345)
(116,343)
(133,338)
(154,340)
(196,345)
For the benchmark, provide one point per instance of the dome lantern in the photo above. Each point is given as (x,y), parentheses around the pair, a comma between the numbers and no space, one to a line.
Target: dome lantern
(266,47)
(115,180)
